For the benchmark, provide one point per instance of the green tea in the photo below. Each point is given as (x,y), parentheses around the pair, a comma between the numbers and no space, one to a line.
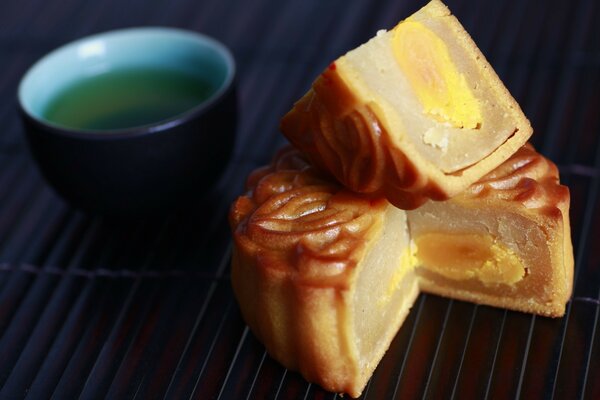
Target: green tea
(127,98)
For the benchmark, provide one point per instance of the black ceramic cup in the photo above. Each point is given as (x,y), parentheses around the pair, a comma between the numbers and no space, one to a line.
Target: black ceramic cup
(136,170)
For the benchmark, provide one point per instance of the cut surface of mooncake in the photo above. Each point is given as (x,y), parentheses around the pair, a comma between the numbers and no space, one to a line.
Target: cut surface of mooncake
(504,242)
(324,277)
(415,113)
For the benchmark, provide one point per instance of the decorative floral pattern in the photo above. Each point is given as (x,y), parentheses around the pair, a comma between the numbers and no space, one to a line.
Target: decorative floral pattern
(527,178)
(294,219)
(346,138)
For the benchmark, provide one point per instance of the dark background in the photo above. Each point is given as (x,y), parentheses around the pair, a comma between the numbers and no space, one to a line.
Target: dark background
(97,308)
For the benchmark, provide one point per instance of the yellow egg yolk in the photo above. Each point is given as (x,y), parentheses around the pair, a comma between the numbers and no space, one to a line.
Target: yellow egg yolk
(468,256)
(407,262)
(442,90)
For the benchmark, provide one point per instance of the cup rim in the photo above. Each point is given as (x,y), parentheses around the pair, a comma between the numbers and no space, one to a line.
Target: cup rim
(158,126)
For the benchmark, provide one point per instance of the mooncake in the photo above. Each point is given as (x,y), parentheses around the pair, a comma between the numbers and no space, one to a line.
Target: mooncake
(410,172)
(324,277)
(415,113)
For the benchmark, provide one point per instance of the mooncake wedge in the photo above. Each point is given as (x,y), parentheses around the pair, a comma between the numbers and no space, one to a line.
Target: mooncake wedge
(504,242)
(415,113)
(324,277)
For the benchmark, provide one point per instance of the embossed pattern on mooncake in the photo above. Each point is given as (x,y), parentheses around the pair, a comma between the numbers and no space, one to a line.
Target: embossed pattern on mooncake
(291,215)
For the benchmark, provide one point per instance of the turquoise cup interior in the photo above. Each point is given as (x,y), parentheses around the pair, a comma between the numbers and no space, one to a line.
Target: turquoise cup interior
(136,170)
(161,48)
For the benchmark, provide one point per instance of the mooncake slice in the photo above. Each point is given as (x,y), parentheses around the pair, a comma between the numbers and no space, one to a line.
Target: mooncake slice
(324,277)
(415,113)
(505,241)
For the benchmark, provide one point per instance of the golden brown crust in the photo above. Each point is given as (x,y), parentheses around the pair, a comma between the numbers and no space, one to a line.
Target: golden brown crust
(345,138)
(293,216)
(526,178)
(298,239)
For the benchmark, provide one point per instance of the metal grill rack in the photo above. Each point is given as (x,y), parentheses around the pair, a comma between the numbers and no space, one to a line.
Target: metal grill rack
(95,308)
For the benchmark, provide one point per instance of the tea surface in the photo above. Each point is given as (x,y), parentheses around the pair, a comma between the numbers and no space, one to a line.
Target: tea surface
(127,98)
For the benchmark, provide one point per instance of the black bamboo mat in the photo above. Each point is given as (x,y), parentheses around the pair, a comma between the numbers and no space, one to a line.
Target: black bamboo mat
(97,308)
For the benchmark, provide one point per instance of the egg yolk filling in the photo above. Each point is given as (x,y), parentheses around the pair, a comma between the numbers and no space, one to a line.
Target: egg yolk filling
(469,256)
(408,261)
(440,87)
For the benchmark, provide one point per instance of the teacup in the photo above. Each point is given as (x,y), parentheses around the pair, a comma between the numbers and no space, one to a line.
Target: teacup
(134,121)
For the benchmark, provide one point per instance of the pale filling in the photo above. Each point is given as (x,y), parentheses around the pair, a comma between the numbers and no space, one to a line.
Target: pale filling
(386,287)
(477,248)
(432,93)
